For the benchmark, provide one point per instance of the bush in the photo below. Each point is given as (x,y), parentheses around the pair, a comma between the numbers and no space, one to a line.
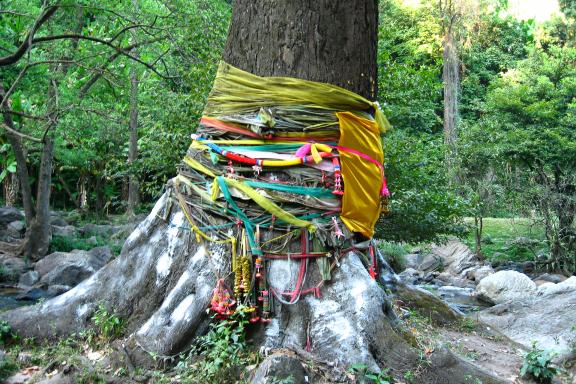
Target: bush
(110,325)
(394,253)
(537,365)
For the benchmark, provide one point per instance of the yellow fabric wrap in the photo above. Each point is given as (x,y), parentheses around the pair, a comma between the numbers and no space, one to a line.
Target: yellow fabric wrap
(362,178)
(236,91)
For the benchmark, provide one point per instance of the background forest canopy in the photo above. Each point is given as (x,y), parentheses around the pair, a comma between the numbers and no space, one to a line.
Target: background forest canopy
(483,107)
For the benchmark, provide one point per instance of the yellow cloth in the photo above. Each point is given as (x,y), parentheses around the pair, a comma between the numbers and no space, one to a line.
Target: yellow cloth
(362,178)
(236,91)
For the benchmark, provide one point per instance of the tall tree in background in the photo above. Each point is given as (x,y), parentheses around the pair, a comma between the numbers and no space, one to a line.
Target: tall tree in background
(133,184)
(450,15)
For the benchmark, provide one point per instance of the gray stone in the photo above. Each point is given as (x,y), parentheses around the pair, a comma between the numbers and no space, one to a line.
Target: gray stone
(12,266)
(9,215)
(427,304)
(277,367)
(551,277)
(18,378)
(16,229)
(65,231)
(411,276)
(57,289)
(58,221)
(505,286)
(478,273)
(28,279)
(61,268)
(568,285)
(548,320)
(456,257)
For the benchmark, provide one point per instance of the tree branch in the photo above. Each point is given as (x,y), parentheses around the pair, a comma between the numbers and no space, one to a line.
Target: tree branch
(23,48)
(20,134)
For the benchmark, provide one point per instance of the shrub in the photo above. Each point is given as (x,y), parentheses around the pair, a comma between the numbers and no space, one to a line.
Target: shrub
(537,365)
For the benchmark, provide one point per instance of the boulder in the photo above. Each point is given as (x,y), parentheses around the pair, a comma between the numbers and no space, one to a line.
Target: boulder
(455,257)
(65,231)
(548,288)
(478,273)
(16,229)
(57,289)
(411,276)
(58,221)
(548,320)
(279,367)
(427,304)
(62,268)
(551,277)
(11,267)
(9,215)
(505,286)
(28,279)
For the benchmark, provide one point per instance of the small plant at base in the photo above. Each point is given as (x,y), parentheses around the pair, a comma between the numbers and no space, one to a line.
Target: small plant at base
(109,325)
(363,375)
(224,349)
(537,364)
(6,333)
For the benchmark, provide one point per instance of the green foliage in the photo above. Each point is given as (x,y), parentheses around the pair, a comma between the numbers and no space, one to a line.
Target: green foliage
(537,364)
(527,140)
(110,326)
(394,253)
(7,335)
(423,208)
(67,244)
(363,375)
(7,367)
(217,356)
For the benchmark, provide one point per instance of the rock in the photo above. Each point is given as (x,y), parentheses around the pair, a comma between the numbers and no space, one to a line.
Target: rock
(64,231)
(33,294)
(9,215)
(25,357)
(28,279)
(57,289)
(477,274)
(548,320)
(11,266)
(427,304)
(413,260)
(18,378)
(92,240)
(61,268)
(455,256)
(551,277)
(59,378)
(58,222)
(411,276)
(277,367)
(446,278)
(504,286)
(16,229)
(548,288)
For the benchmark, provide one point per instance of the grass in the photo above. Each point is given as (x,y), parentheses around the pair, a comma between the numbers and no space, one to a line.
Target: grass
(514,239)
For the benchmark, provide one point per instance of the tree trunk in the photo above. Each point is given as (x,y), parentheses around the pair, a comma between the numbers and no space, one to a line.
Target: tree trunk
(451,80)
(38,233)
(11,189)
(133,184)
(163,280)
(21,166)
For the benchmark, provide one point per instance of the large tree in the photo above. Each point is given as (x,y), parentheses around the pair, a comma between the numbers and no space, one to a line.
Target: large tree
(162,281)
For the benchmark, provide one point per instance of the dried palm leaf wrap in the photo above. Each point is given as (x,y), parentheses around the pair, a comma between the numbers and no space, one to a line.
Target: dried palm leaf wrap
(275,159)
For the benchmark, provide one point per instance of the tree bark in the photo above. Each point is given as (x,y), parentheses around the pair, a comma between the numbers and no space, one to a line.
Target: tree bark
(162,282)
(133,184)
(451,80)
(21,166)
(11,189)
